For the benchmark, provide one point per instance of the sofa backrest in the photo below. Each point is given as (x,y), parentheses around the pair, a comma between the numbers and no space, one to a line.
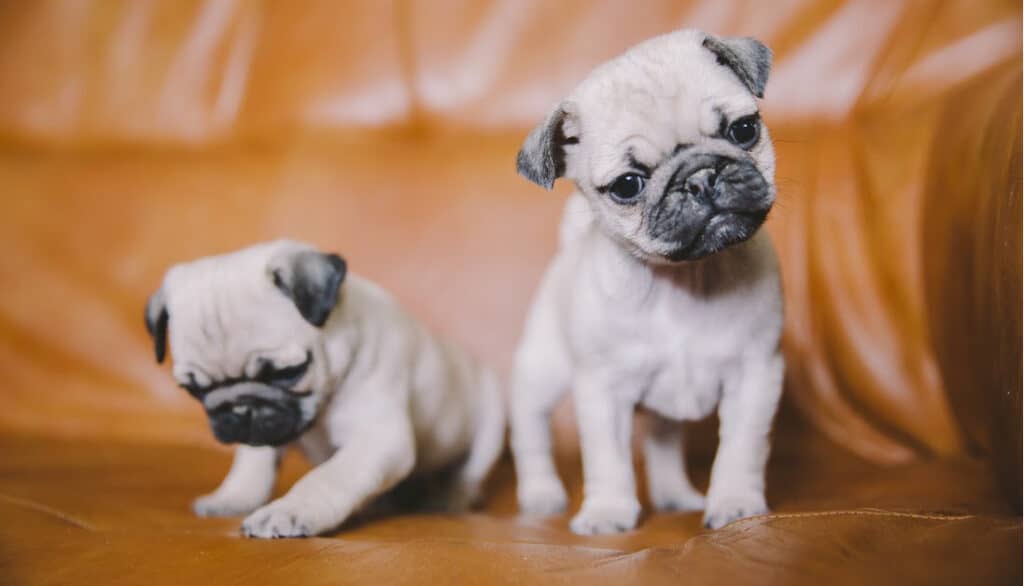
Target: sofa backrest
(897,127)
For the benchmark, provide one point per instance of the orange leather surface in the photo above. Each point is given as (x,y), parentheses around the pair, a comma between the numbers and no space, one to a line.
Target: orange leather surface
(137,134)
(838,519)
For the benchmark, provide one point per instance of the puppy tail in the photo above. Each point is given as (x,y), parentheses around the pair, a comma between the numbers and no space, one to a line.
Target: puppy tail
(488,443)
(491,433)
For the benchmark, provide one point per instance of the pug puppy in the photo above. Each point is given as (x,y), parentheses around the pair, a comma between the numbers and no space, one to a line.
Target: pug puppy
(282,347)
(663,294)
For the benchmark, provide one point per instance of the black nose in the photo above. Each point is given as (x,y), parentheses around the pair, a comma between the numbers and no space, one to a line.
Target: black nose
(231,423)
(256,422)
(701,184)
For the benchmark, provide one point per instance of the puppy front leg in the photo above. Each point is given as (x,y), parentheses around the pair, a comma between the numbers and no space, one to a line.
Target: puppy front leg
(371,461)
(610,503)
(745,419)
(247,486)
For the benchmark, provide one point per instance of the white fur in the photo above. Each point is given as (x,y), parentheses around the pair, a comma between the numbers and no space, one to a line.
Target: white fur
(390,398)
(623,328)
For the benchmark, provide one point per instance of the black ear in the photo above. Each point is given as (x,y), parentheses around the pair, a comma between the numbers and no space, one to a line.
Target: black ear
(156,323)
(748,58)
(312,280)
(542,157)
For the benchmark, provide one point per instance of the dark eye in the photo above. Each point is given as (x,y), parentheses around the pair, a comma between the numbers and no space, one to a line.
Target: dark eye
(627,187)
(283,378)
(744,132)
(192,387)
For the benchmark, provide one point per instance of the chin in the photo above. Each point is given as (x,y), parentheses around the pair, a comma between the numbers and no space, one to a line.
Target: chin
(722,231)
(262,436)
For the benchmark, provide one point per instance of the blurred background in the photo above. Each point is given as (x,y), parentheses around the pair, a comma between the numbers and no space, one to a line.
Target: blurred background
(137,134)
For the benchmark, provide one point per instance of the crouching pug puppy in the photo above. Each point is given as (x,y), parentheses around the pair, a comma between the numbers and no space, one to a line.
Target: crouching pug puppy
(282,347)
(663,294)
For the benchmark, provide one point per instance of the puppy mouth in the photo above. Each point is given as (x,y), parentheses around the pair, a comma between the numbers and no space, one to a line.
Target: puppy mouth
(721,230)
(257,423)
(710,202)
(255,414)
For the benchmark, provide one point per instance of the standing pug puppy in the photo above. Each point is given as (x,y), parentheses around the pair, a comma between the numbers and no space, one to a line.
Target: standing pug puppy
(281,346)
(663,293)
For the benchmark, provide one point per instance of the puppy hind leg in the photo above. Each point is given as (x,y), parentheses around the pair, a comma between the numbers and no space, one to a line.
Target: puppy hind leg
(668,485)
(539,379)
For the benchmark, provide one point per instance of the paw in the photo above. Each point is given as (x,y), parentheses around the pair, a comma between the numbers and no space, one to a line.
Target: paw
(542,497)
(722,511)
(678,500)
(606,516)
(279,519)
(219,505)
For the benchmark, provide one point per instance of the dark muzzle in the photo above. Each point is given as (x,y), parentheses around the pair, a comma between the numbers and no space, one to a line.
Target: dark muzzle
(711,202)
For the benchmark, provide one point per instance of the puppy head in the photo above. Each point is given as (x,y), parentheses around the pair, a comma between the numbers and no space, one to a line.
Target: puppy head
(667,145)
(244,330)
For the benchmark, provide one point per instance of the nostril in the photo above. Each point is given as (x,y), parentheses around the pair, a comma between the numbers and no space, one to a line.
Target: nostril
(701,182)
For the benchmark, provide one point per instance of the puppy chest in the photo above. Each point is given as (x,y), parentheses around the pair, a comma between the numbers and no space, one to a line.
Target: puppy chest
(683,391)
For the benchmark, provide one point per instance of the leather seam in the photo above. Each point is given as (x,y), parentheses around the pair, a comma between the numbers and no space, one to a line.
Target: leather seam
(47,510)
(858,512)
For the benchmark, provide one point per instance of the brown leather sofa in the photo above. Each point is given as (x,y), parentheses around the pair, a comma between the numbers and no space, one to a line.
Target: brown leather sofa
(140,133)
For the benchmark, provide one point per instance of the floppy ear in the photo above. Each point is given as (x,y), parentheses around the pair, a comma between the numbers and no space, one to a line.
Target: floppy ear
(542,157)
(748,58)
(311,280)
(156,323)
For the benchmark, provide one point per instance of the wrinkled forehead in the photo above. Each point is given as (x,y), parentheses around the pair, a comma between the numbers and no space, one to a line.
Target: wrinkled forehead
(221,321)
(655,101)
